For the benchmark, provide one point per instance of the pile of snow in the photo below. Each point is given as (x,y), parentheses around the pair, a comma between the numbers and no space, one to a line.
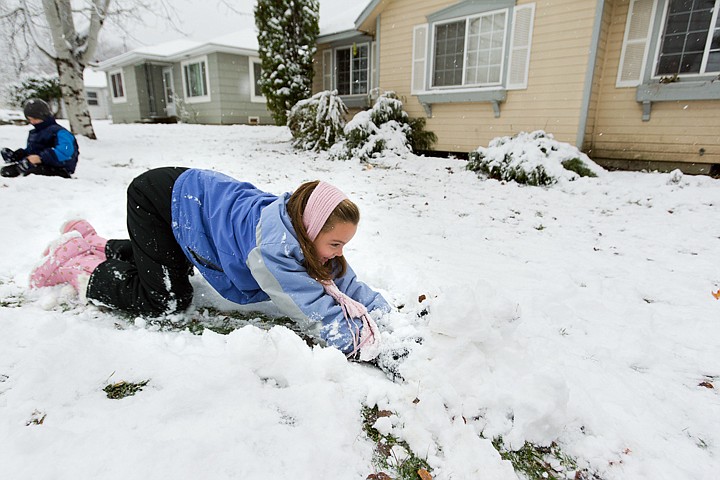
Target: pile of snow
(545,315)
(534,158)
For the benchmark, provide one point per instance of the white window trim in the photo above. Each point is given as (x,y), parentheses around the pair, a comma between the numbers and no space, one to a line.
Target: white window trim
(255,97)
(120,99)
(334,70)
(202,98)
(465,87)
(658,46)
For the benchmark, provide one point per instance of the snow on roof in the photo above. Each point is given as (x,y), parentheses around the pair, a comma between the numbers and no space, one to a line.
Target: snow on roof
(172,47)
(94,79)
(339,15)
(246,39)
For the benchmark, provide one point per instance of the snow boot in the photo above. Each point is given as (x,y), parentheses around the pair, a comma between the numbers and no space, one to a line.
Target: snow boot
(82,226)
(71,260)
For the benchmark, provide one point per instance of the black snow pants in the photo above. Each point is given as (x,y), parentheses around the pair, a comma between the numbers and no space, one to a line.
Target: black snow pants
(149,273)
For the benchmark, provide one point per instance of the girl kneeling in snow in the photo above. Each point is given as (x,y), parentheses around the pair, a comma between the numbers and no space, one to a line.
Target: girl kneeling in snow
(249,245)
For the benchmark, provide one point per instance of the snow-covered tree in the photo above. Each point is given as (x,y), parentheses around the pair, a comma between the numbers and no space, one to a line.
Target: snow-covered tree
(66,32)
(287,31)
(317,123)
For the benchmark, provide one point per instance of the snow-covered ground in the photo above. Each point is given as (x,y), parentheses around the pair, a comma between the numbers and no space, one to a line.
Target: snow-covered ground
(581,314)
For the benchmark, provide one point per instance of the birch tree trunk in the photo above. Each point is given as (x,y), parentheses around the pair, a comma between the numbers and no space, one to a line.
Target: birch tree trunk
(72,53)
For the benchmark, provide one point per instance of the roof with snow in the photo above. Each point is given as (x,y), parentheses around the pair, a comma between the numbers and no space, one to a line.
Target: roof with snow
(94,79)
(243,42)
(339,15)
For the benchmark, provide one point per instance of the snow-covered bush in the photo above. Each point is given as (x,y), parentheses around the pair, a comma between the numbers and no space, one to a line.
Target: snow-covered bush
(317,122)
(45,87)
(534,158)
(385,128)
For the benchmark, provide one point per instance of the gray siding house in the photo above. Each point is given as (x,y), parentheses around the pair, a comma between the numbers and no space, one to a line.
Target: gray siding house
(215,82)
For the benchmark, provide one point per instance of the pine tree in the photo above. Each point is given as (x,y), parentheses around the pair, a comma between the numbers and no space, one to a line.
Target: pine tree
(287,32)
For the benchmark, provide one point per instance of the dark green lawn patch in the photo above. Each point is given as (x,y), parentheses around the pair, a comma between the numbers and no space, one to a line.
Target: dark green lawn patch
(543,463)
(410,468)
(124,389)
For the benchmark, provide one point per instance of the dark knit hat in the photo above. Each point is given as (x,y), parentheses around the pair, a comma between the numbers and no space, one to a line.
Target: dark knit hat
(37,108)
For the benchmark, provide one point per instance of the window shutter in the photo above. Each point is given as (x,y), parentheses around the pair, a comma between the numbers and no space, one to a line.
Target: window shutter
(635,43)
(419,56)
(522,30)
(374,57)
(327,69)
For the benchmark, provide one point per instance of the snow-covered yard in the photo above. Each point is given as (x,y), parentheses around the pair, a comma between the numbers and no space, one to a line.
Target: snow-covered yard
(580,314)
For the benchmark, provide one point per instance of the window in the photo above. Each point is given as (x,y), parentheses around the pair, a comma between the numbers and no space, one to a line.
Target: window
(472,52)
(469,51)
(683,36)
(195,80)
(117,87)
(352,66)
(255,90)
(690,42)
(472,48)
(92,98)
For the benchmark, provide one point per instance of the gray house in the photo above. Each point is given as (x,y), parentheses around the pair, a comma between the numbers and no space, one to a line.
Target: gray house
(214,82)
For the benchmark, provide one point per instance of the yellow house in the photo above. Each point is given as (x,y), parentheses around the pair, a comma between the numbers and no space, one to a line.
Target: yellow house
(633,83)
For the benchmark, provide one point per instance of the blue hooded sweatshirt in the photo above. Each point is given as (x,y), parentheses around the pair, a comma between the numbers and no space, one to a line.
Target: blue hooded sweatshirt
(242,241)
(54,145)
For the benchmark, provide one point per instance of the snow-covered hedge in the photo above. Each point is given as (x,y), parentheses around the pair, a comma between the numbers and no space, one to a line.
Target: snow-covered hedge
(384,129)
(317,122)
(534,158)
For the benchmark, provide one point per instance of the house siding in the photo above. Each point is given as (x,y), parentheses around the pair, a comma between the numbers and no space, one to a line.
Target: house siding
(554,97)
(128,111)
(599,71)
(230,94)
(676,131)
(234,83)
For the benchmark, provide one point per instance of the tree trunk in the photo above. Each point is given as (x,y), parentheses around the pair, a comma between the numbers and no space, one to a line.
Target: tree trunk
(73,95)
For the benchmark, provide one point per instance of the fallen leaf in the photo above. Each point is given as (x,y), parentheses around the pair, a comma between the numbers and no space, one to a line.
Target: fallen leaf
(424,474)
(716,295)
(706,385)
(422,298)
(379,476)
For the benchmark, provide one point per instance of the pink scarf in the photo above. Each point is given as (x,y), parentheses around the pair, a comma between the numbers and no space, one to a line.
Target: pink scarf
(369,335)
(323,200)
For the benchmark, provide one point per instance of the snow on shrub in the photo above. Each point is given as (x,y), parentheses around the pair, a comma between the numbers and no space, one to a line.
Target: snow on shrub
(384,129)
(317,122)
(534,158)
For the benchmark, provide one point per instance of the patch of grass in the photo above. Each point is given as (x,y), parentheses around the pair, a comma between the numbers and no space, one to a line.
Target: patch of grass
(578,166)
(218,321)
(124,389)
(410,468)
(543,463)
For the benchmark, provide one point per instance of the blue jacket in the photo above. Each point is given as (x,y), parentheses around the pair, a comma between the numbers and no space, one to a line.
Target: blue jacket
(242,241)
(54,144)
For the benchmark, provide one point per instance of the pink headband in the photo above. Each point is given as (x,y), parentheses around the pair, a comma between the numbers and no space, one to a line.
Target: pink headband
(320,205)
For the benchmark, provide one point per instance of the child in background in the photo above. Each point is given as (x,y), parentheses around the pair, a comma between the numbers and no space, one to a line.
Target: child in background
(249,245)
(51,149)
